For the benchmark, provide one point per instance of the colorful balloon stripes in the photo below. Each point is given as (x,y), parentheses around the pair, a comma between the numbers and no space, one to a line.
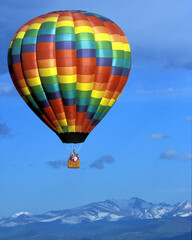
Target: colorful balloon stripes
(70,68)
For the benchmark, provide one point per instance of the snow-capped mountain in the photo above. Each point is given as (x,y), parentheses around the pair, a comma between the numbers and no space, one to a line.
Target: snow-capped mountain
(109,210)
(182,209)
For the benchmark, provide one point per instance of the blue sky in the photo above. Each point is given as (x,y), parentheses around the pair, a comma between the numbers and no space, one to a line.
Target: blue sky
(141,148)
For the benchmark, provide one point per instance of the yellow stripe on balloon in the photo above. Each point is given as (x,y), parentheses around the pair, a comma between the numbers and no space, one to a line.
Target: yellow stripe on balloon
(25,91)
(65,24)
(84,86)
(67,78)
(71,128)
(97,94)
(104,101)
(59,129)
(51,19)
(47,72)
(83,29)
(117,46)
(102,37)
(112,101)
(127,47)
(20,35)
(63,122)
(33,81)
(35,26)
(10,45)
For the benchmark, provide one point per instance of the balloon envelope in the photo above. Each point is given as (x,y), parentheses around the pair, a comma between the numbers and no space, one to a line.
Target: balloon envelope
(70,68)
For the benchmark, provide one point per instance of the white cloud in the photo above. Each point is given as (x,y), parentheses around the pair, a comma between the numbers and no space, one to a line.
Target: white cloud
(165,91)
(142,91)
(189,119)
(57,164)
(171,154)
(158,136)
(7,89)
(169,90)
(99,163)
(187,156)
(5,131)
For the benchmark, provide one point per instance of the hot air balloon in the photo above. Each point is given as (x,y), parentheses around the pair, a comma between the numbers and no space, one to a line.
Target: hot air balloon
(70,68)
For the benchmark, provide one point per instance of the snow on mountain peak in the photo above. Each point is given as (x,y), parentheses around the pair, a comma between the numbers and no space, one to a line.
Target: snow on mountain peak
(185,204)
(16,215)
(109,210)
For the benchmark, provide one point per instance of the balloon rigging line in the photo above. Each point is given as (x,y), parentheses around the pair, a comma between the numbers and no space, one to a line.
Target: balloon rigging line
(79,147)
(68,148)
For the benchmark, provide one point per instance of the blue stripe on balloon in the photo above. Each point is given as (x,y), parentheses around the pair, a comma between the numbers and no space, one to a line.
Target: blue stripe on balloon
(102,115)
(81,108)
(125,72)
(38,112)
(85,45)
(127,64)
(118,62)
(16,58)
(86,53)
(97,115)
(96,15)
(88,14)
(29,40)
(82,101)
(68,94)
(53,95)
(41,96)
(90,115)
(104,61)
(16,50)
(44,104)
(51,87)
(103,19)
(69,102)
(65,45)
(44,31)
(92,108)
(29,48)
(95,122)
(64,37)
(46,38)
(106,53)
(117,71)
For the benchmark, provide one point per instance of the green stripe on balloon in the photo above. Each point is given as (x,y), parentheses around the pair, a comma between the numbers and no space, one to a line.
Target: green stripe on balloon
(66,29)
(68,86)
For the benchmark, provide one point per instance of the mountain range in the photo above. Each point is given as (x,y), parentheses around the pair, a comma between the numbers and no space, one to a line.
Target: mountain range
(110,210)
(111,219)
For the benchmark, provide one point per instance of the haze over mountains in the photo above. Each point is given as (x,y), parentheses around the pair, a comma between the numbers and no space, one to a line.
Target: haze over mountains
(133,219)
(109,210)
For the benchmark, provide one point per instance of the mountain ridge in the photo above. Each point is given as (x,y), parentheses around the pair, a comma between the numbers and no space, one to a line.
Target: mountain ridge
(109,210)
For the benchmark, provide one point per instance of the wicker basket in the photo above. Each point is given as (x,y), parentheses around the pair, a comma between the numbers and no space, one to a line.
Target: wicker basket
(73,164)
